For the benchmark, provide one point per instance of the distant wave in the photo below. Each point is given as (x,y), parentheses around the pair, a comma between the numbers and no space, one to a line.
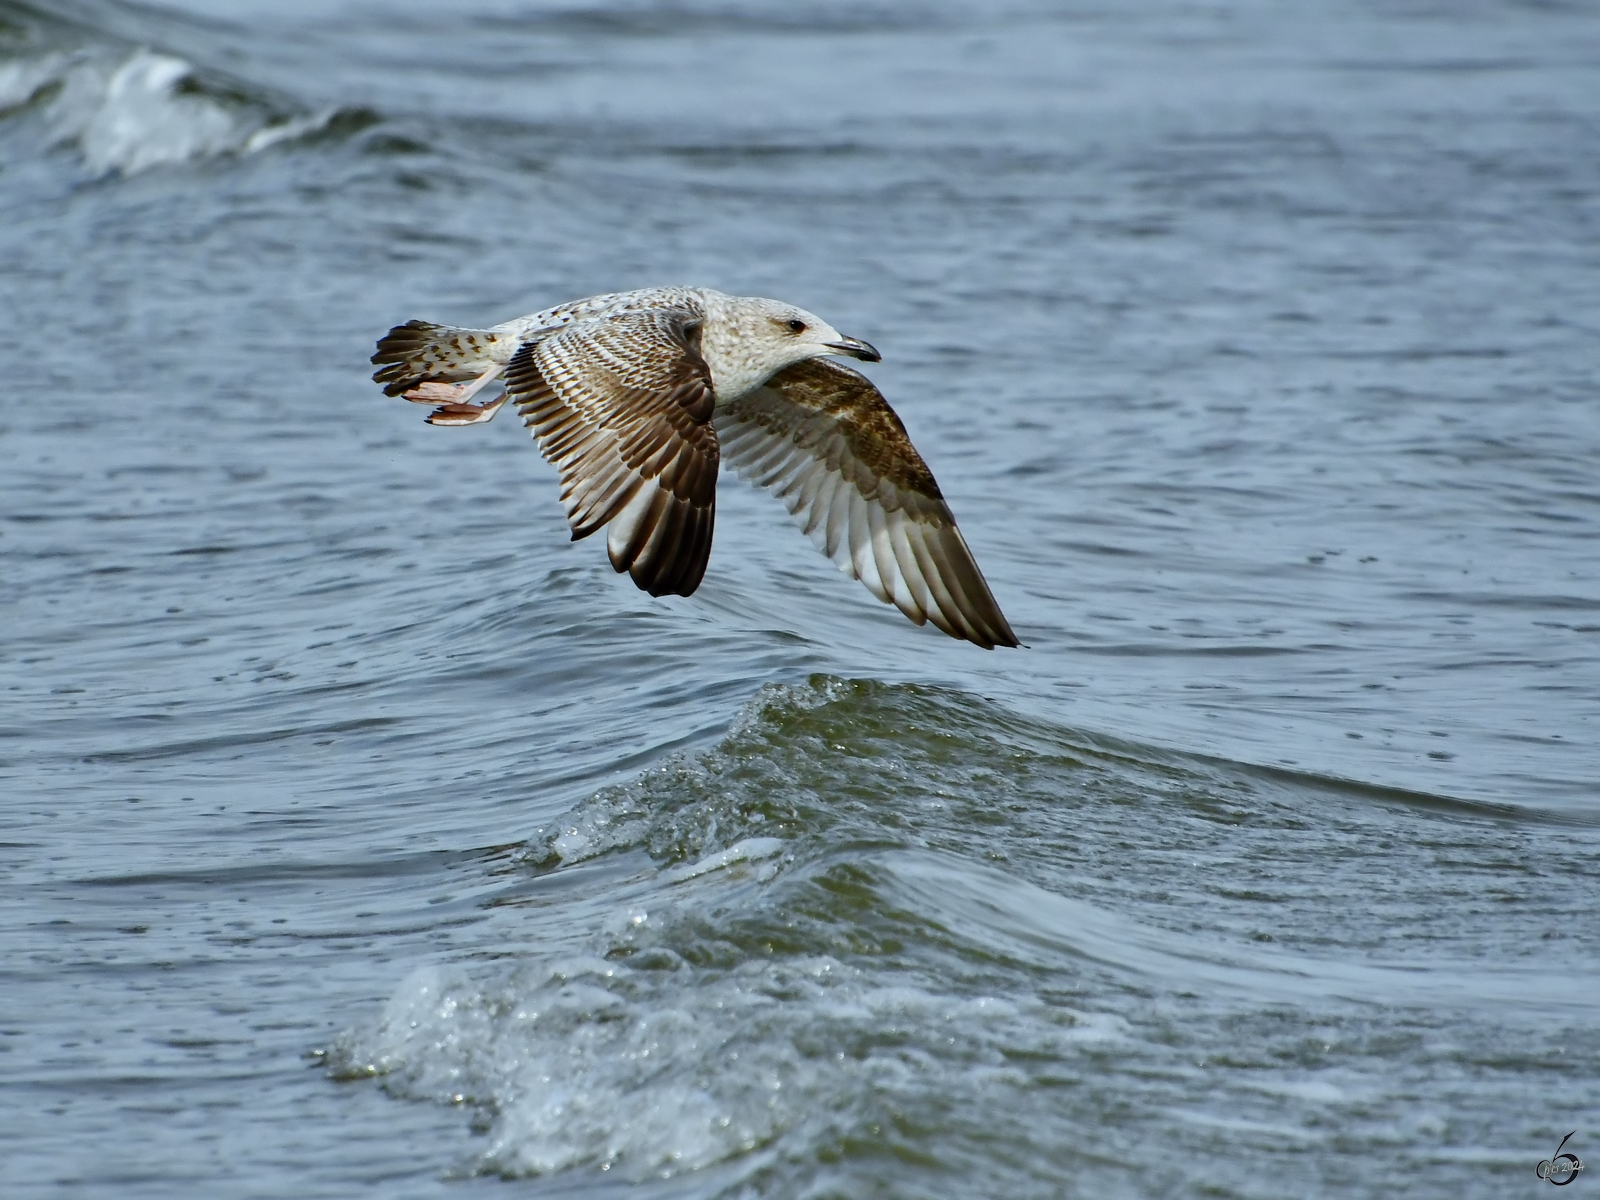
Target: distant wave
(144,110)
(126,108)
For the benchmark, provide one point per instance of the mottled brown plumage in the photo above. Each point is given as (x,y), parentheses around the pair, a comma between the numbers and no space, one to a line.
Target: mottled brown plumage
(622,408)
(823,439)
(635,397)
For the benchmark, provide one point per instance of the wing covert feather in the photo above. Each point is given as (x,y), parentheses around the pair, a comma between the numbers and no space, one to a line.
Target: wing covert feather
(822,438)
(621,405)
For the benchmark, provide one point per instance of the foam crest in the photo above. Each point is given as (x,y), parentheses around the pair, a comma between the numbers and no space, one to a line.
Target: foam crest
(126,113)
(749,850)
(646,1072)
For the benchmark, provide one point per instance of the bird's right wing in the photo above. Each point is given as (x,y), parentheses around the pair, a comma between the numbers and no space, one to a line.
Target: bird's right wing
(823,439)
(621,404)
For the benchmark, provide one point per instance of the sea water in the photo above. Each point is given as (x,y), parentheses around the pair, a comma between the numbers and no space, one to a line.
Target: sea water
(363,836)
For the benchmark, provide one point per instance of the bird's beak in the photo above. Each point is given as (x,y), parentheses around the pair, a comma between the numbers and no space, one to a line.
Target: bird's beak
(856,348)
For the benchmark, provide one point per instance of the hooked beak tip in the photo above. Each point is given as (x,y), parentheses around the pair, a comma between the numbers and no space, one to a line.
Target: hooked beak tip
(856,348)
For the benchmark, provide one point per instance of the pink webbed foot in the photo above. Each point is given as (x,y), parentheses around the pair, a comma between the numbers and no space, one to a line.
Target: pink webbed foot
(465,414)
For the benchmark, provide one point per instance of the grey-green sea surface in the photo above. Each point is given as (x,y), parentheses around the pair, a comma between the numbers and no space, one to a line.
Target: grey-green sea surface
(361,836)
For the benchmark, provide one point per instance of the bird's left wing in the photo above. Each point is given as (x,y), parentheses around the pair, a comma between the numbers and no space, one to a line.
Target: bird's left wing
(824,440)
(621,404)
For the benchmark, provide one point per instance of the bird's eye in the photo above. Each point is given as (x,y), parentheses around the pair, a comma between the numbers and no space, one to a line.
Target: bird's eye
(796,325)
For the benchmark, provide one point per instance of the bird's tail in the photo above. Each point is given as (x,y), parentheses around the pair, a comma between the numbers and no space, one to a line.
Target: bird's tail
(420,353)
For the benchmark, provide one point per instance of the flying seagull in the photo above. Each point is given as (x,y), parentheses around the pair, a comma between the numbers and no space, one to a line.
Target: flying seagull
(636,397)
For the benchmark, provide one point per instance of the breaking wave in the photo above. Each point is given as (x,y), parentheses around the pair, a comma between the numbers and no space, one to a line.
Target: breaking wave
(128,114)
(873,911)
(126,108)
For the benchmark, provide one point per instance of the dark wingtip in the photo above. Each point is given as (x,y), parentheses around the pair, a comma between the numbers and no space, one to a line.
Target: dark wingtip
(1004,635)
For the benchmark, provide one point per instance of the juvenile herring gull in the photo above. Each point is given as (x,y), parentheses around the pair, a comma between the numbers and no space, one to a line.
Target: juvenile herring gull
(635,397)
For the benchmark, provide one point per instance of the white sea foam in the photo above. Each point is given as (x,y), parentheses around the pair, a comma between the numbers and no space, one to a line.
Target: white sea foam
(21,78)
(588,1062)
(656,1054)
(126,113)
(749,850)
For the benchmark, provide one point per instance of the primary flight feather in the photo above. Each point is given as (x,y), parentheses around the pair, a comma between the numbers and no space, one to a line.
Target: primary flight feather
(636,397)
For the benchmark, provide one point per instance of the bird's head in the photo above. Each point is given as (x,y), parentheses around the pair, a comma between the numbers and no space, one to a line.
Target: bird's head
(803,335)
(788,335)
(750,339)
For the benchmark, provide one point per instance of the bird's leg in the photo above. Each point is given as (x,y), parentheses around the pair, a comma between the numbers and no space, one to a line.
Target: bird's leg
(434,392)
(465,414)
(452,400)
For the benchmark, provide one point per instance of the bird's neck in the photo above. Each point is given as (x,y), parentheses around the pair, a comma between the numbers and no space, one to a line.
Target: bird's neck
(736,358)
